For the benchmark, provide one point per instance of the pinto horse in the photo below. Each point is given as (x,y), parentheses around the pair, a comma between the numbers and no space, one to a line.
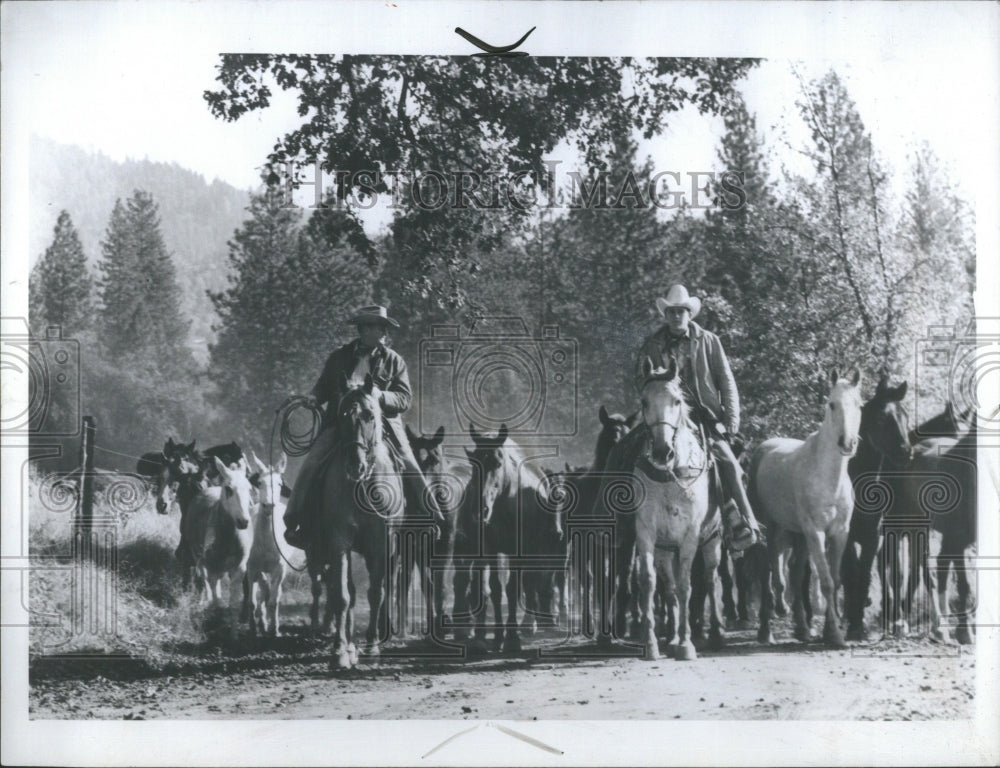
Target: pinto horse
(217,528)
(884,451)
(506,513)
(802,488)
(362,499)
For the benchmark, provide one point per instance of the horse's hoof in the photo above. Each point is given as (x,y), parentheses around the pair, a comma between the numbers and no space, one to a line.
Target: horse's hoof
(900,628)
(478,647)
(697,635)
(833,637)
(652,652)
(857,633)
(716,640)
(764,636)
(963,635)
(802,634)
(352,651)
(605,642)
(372,648)
(685,652)
(512,644)
(341,660)
(780,608)
(498,644)
(940,635)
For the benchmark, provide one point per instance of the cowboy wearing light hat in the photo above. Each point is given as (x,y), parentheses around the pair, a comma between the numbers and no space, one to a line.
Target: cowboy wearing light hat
(346,368)
(711,389)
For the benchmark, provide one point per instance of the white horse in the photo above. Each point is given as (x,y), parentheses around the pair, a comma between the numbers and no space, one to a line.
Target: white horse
(674,517)
(220,536)
(271,556)
(802,487)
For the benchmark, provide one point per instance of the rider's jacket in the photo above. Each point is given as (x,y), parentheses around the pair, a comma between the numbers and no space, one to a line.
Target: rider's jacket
(712,382)
(388,371)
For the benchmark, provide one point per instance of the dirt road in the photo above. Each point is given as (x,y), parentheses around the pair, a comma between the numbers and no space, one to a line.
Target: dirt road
(897,680)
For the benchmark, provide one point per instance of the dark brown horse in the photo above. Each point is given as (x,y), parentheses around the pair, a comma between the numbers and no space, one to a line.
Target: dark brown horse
(507,524)
(362,499)
(938,492)
(447,483)
(883,451)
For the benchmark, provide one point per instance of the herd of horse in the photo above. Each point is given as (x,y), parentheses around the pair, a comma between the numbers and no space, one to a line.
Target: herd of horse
(635,541)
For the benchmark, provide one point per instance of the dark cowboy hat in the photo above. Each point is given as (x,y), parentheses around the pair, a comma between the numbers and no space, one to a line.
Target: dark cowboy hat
(373,314)
(678,296)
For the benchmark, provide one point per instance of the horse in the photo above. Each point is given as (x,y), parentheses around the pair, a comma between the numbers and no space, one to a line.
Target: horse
(938,492)
(802,488)
(945,424)
(270,556)
(362,499)
(443,478)
(884,448)
(506,512)
(217,528)
(581,493)
(153,467)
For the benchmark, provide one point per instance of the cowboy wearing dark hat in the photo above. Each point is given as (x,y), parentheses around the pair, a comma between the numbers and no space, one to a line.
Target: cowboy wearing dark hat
(711,389)
(346,368)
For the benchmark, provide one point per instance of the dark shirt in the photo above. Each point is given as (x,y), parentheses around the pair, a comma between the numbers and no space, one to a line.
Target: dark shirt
(388,371)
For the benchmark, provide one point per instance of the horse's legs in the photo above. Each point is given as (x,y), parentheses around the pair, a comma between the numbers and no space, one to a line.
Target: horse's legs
(338,601)
(775,547)
(512,640)
(728,581)
(376,563)
(665,576)
(461,585)
(696,606)
(277,578)
(647,587)
(712,554)
(761,561)
(532,581)
(798,564)
(316,587)
(827,563)
(258,592)
(965,605)
(743,574)
(682,573)
(496,596)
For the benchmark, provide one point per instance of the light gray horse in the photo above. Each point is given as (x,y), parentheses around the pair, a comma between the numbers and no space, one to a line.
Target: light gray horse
(802,487)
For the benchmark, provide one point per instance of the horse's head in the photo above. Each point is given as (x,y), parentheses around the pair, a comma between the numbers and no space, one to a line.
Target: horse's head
(359,421)
(428,451)
(663,408)
(236,497)
(489,456)
(614,427)
(268,479)
(843,410)
(182,464)
(884,423)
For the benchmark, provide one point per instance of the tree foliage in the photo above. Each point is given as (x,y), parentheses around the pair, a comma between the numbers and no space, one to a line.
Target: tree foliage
(60,288)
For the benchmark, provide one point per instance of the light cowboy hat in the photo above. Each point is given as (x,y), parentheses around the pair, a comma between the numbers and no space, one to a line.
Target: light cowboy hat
(373,314)
(678,296)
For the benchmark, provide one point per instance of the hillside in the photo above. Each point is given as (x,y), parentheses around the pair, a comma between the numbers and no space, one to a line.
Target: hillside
(196,217)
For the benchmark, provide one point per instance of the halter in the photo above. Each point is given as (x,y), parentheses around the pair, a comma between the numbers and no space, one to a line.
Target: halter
(368,446)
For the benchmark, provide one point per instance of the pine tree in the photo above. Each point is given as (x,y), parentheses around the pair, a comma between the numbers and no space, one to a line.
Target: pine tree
(292,289)
(140,295)
(60,288)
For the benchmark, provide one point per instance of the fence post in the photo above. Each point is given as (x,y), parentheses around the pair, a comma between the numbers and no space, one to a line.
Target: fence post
(85,500)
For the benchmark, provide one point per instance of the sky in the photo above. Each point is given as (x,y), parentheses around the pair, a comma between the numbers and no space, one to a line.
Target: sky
(129,84)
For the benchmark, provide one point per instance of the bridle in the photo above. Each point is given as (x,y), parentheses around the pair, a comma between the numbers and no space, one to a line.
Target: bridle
(367,445)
